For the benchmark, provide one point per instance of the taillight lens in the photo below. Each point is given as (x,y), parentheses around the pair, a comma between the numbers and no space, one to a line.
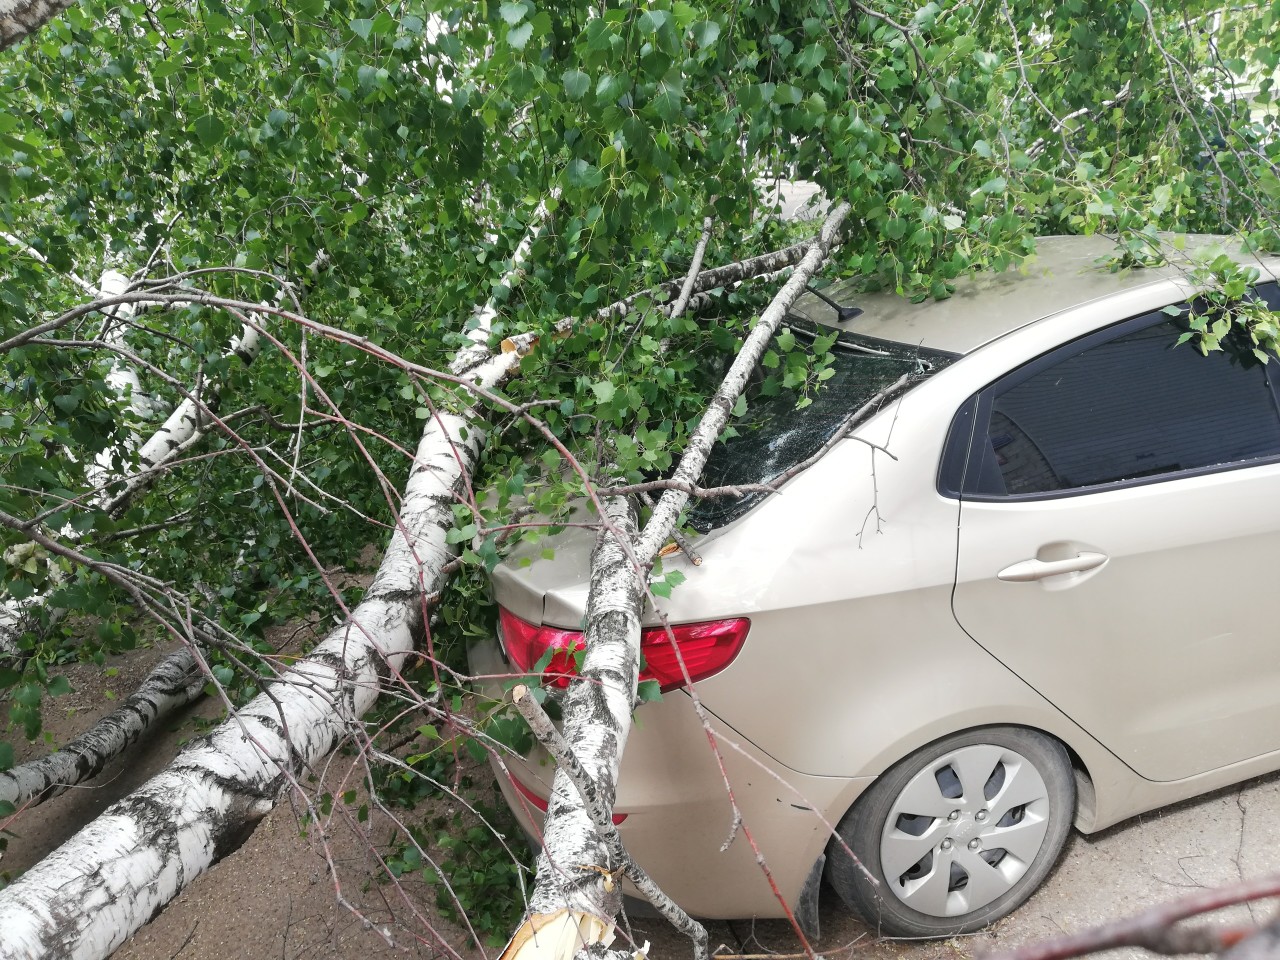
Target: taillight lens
(706,648)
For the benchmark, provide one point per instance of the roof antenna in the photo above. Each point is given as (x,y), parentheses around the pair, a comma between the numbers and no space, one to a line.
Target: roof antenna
(843,314)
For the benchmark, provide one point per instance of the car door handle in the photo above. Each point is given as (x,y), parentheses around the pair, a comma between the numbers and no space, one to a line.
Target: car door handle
(1025,571)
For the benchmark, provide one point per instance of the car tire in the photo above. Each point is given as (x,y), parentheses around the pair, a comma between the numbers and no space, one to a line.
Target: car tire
(987,812)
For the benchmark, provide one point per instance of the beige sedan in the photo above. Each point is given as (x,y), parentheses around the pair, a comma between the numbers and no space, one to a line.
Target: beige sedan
(1030,589)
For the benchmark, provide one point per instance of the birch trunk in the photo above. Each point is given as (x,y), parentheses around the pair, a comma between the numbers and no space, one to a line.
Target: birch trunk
(572,907)
(689,470)
(121,378)
(18,18)
(183,424)
(175,682)
(577,895)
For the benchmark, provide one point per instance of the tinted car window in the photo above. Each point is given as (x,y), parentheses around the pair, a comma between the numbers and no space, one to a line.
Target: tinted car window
(1134,406)
(774,435)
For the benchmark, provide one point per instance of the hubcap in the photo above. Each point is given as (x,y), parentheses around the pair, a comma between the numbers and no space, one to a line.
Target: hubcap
(964,830)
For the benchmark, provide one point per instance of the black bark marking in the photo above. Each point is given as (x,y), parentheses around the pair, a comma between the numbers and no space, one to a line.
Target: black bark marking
(271,723)
(404,595)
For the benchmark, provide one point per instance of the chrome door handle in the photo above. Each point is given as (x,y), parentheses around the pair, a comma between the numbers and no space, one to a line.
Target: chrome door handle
(1025,571)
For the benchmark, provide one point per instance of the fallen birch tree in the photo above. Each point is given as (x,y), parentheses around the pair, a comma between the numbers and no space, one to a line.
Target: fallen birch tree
(577,896)
(174,682)
(89,895)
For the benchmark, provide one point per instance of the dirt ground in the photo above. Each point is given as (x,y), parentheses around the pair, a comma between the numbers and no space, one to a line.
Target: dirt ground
(276,896)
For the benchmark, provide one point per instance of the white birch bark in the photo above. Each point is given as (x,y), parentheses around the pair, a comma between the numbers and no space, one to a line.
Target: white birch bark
(481,327)
(18,18)
(175,681)
(183,424)
(121,378)
(89,895)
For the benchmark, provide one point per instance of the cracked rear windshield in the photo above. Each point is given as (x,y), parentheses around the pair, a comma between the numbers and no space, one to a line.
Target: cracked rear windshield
(777,432)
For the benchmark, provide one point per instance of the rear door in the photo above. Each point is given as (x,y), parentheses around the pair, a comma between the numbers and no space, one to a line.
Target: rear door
(1120,542)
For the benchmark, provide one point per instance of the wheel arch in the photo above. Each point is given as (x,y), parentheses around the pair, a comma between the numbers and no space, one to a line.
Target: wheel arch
(1086,757)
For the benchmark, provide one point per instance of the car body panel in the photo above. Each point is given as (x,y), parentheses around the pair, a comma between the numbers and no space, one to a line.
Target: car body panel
(678,814)
(1161,651)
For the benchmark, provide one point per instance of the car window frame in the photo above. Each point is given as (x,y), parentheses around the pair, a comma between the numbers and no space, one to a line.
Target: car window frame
(964,451)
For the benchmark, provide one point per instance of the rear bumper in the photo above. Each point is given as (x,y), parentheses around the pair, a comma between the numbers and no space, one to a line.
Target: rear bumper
(678,808)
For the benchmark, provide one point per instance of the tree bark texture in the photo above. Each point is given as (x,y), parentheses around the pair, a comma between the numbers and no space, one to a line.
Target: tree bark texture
(176,681)
(19,18)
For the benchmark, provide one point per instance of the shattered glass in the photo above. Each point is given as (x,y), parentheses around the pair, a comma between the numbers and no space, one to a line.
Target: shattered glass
(773,436)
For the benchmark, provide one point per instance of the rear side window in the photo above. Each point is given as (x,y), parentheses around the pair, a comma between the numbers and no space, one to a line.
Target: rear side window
(1127,408)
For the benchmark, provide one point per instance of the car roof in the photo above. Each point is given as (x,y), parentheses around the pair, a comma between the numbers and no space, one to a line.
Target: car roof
(1064,272)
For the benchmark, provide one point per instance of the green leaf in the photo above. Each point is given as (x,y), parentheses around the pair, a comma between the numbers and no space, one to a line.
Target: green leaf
(6,755)
(519,36)
(995,185)
(651,21)
(604,391)
(576,84)
(513,13)
(362,28)
(58,686)
(705,34)
(579,173)
(648,691)
(210,130)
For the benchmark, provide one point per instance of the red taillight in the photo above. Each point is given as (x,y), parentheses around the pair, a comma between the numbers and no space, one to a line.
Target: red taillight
(541,804)
(527,644)
(706,648)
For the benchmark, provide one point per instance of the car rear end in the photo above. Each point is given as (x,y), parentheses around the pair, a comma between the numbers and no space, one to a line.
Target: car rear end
(689,781)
